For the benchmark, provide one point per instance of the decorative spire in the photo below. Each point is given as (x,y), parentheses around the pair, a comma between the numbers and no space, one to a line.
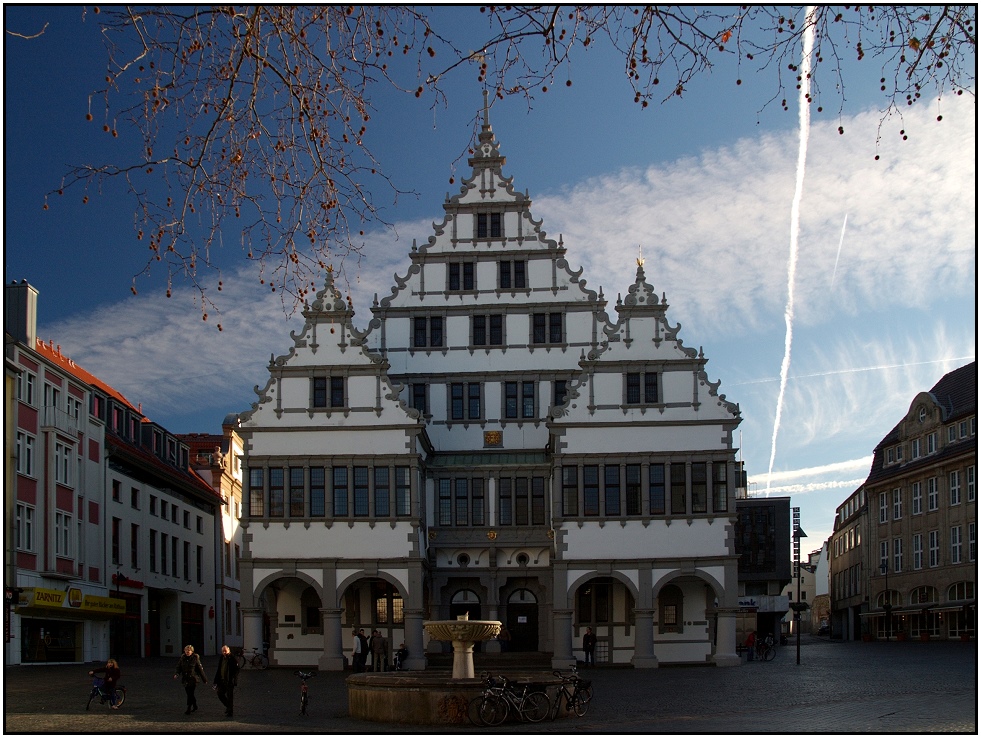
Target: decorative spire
(487,155)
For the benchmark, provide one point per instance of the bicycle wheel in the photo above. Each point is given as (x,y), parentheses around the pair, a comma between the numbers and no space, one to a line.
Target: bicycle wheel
(769,653)
(241,661)
(263,661)
(579,705)
(586,693)
(474,709)
(92,695)
(303,703)
(120,696)
(494,710)
(535,707)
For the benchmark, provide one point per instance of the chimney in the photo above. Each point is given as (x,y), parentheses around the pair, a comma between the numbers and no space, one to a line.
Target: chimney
(20,312)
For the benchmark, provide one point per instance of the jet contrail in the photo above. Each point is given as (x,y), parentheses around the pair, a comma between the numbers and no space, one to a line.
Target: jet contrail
(840,242)
(805,128)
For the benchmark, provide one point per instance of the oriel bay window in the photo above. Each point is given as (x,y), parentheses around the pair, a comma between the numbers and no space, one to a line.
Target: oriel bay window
(521,500)
(461,502)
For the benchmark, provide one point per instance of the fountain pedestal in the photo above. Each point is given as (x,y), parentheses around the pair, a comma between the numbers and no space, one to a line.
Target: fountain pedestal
(463,633)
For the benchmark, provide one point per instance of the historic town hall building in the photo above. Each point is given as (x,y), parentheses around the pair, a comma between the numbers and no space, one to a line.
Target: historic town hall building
(494,443)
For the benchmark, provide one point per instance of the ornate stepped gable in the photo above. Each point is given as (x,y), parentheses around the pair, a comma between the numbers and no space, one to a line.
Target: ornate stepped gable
(328,341)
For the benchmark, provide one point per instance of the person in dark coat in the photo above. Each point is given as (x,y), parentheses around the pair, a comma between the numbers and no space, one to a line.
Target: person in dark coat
(589,646)
(188,669)
(111,675)
(226,679)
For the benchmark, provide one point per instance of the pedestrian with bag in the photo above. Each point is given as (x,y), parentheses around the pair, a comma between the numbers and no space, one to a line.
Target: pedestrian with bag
(188,669)
(226,679)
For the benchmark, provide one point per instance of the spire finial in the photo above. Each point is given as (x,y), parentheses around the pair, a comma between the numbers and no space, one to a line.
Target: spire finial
(486,110)
(640,255)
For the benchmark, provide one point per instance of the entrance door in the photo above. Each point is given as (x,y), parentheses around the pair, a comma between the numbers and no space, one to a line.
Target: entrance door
(522,621)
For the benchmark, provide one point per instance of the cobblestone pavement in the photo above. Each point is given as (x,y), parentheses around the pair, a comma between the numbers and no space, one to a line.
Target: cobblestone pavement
(838,687)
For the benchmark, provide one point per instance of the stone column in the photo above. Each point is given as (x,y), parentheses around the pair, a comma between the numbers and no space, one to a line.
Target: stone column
(252,628)
(332,659)
(725,648)
(644,657)
(413,641)
(562,657)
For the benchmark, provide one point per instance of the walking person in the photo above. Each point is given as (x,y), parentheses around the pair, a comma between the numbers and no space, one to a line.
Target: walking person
(379,651)
(355,651)
(589,647)
(111,676)
(364,653)
(226,679)
(188,669)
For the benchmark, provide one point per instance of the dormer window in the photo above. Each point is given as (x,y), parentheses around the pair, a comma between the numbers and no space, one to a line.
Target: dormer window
(489,225)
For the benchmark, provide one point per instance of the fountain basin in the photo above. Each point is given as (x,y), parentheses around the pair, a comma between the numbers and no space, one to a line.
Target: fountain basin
(463,632)
(424,698)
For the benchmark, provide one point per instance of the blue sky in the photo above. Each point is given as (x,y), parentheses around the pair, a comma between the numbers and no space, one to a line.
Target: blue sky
(885,285)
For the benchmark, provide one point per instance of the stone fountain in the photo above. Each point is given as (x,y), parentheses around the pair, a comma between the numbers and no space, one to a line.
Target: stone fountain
(463,633)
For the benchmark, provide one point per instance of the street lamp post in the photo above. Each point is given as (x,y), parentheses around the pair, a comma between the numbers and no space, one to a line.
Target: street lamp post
(887,599)
(798,606)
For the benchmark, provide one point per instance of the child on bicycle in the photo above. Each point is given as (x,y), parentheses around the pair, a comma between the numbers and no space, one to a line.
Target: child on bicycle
(400,656)
(112,675)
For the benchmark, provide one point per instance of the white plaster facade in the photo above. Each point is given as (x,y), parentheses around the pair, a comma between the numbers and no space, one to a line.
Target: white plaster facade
(493,443)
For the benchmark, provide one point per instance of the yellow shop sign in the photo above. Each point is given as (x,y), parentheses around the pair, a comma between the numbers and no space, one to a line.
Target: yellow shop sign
(73,599)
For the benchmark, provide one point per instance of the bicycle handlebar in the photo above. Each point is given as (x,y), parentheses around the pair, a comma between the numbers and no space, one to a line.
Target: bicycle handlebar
(305,674)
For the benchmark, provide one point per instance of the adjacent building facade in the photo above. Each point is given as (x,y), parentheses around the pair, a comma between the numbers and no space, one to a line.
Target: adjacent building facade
(904,552)
(492,444)
(112,535)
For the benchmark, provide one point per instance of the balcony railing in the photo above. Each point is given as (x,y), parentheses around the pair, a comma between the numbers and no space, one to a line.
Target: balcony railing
(53,417)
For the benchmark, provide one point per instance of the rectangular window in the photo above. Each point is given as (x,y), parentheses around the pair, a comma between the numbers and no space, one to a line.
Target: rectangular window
(187,561)
(970,484)
(25,387)
(972,544)
(340,487)
(337,392)
(917,550)
(528,403)
(153,551)
(633,496)
(473,400)
(257,507)
(699,488)
(720,487)
(173,556)
(558,392)
(361,491)
(955,488)
(679,503)
(611,490)
(955,545)
(951,433)
(163,553)
(932,443)
(296,492)
(547,328)
(460,276)
(383,493)
(933,496)
(590,490)
(657,484)
(511,275)
(538,501)
(883,556)
(403,491)
(427,332)
(934,548)
(488,330)
(521,509)
(897,504)
(897,555)
(914,449)
(916,498)
(641,388)
(465,400)
(153,505)
(163,509)
(445,503)
(114,536)
(277,481)
(63,464)
(134,546)
(510,399)
(318,492)
(24,528)
(883,508)
(477,506)
(462,502)
(570,491)
(25,454)
(134,498)
(63,534)
(420,395)
(187,519)
(319,390)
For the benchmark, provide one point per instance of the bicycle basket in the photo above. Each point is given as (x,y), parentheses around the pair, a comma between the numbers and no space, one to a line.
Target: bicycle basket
(98,682)
(584,684)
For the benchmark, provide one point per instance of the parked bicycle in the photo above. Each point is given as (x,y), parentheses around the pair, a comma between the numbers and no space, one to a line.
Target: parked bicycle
(764,648)
(257,660)
(101,692)
(502,697)
(304,696)
(574,692)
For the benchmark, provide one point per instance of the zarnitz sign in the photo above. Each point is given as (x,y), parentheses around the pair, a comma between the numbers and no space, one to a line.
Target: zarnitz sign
(73,599)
